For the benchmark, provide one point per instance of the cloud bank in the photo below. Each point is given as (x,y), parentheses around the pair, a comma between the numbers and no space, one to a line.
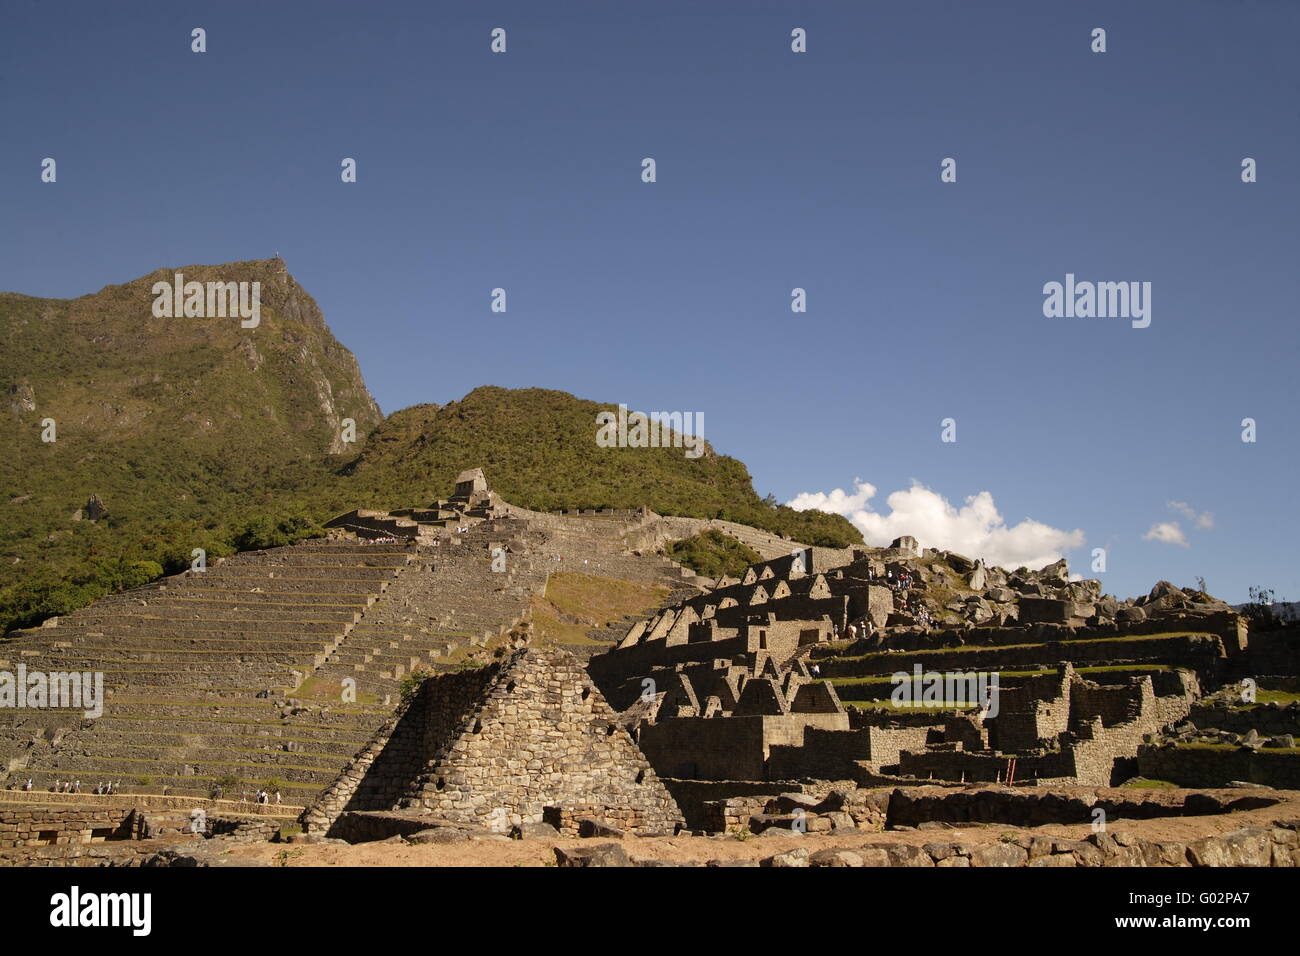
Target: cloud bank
(976,529)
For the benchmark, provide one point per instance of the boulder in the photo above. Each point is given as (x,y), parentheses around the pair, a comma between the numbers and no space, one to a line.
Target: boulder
(959,562)
(796,857)
(834,857)
(602,854)
(998,854)
(588,827)
(535,831)
(1057,571)
(1249,846)
(907,544)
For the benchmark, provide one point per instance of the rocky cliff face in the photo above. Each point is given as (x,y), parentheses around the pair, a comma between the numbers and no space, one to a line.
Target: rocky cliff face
(105,367)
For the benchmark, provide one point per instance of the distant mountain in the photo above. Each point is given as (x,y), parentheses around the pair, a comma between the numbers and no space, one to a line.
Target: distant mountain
(177,425)
(181,433)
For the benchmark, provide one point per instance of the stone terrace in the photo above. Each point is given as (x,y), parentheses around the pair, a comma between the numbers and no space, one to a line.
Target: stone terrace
(197,669)
(236,674)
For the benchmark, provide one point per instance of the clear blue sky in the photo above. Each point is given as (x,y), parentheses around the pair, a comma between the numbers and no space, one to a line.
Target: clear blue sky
(775,170)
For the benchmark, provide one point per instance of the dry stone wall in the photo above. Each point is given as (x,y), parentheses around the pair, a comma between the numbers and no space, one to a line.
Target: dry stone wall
(505,745)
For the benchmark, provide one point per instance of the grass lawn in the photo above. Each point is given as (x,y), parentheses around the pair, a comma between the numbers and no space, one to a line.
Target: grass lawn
(575,604)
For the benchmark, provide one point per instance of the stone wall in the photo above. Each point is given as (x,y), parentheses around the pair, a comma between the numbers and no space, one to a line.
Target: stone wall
(1031,807)
(1268,720)
(380,773)
(61,826)
(498,746)
(543,736)
(1192,766)
(728,748)
(1249,846)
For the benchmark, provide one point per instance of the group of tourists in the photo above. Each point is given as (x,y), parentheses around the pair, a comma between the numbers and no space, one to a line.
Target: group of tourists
(261,796)
(861,628)
(103,788)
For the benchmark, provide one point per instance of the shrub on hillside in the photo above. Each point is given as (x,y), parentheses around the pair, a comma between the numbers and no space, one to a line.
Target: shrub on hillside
(713,554)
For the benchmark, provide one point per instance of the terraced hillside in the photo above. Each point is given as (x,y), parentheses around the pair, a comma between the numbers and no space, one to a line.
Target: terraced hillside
(198,669)
(272,668)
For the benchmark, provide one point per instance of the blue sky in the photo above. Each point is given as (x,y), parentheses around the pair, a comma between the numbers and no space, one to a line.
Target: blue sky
(775,170)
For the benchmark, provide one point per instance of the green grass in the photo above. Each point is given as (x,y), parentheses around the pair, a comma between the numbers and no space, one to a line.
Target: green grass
(575,604)
(1279,697)
(1142,783)
(998,648)
(886,678)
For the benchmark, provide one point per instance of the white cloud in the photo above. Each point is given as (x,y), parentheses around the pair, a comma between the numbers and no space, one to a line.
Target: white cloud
(976,529)
(1167,531)
(1202,519)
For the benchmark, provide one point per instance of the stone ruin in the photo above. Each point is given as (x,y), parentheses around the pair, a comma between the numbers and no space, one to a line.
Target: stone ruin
(528,739)
(745,702)
(472,503)
(747,682)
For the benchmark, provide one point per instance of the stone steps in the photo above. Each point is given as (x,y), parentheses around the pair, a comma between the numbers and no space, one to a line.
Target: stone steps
(163,729)
(250,612)
(245,596)
(283,585)
(269,560)
(246,625)
(297,787)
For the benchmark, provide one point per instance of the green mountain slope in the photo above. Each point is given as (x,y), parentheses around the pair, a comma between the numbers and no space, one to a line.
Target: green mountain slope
(181,426)
(197,433)
(538,448)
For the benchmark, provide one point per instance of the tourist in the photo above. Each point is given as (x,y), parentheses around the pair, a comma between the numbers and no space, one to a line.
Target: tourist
(277,798)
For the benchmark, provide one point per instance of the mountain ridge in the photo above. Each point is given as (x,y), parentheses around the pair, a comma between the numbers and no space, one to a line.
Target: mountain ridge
(198,433)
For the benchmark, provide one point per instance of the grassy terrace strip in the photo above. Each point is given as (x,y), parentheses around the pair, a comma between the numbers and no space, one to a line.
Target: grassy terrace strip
(996,648)
(1021,656)
(885,678)
(844,685)
(1234,748)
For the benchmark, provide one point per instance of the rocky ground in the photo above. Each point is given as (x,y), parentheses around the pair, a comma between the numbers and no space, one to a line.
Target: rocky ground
(1002,845)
